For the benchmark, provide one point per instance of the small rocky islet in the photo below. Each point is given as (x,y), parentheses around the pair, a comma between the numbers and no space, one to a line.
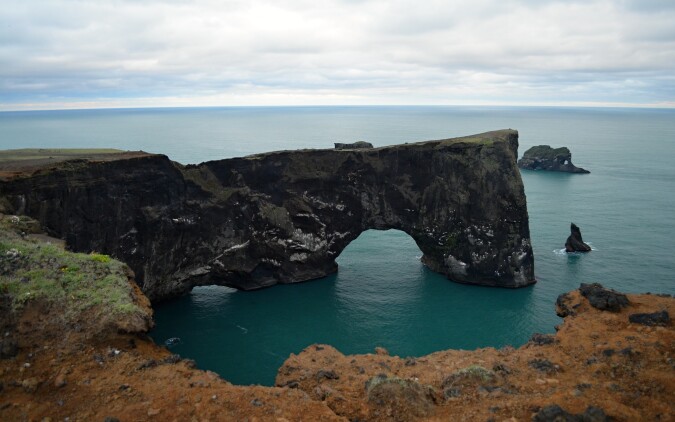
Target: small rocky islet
(67,354)
(543,157)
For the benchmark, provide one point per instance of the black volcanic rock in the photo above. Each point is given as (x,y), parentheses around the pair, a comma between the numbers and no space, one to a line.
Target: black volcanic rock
(657,318)
(554,413)
(602,298)
(355,145)
(284,217)
(543,157)
(575,243)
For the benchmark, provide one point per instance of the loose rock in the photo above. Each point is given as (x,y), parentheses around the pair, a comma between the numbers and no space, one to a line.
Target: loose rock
(657,318)
(602,298)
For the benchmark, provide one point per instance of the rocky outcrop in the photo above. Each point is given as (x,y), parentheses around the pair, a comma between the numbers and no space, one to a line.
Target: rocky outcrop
(284,217)
(660,318)
(575,243)
(602,298)
(354,145)
(543,157)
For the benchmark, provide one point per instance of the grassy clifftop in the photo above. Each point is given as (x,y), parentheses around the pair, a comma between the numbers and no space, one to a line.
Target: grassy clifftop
(76,284)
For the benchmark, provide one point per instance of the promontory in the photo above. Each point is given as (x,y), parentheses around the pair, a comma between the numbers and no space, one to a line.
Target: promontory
(283,217)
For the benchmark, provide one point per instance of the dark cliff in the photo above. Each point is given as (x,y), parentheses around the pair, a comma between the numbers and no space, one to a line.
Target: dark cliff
(284,217)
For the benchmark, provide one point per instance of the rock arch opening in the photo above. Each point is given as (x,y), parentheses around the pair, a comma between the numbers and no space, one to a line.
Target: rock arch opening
(389,253)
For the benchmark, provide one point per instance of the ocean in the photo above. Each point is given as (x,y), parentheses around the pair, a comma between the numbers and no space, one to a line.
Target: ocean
(382,295)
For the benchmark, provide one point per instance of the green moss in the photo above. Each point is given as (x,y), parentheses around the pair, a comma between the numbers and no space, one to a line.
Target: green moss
(100,258)
(72,281)
(203,177)
(277,216)
(546,152)
(450,241)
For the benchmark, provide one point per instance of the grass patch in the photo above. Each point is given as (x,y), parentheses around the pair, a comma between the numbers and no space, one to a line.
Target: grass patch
(75,282)
(546,152)
(45,153)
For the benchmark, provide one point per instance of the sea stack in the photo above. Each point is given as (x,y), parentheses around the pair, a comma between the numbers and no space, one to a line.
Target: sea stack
(543,157)
(574,242)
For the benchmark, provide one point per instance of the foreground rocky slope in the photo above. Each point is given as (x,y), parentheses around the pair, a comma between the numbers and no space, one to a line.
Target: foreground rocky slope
(74,347)
(284,217)
(612,357)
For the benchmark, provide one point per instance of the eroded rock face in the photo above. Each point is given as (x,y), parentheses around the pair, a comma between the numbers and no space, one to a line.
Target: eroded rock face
(284,217)
(543,157)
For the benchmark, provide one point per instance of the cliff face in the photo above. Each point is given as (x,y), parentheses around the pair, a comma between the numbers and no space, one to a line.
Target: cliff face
(284,217)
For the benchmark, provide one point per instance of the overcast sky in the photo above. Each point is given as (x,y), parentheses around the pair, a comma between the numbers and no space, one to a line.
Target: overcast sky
(117,53)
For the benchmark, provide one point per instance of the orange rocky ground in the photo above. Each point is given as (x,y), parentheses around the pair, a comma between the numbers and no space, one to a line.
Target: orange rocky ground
(597,358)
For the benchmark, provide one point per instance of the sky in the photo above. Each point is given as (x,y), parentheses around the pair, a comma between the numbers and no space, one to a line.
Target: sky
(58,54)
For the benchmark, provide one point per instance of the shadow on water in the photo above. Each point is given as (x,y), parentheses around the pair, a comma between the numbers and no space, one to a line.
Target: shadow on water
(381,296)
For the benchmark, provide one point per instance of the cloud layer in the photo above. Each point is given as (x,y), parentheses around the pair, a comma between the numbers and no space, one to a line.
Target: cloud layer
(67,53)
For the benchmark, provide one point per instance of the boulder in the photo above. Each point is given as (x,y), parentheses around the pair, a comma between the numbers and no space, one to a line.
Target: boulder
(603,299)
(657,318)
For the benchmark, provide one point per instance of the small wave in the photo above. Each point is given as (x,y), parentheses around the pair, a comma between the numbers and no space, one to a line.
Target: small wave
(243,329)
(563,251)
(172,342)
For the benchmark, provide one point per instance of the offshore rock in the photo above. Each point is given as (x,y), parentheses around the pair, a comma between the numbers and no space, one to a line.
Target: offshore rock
(284,217)
(355,145)
(575,243)
(543,157)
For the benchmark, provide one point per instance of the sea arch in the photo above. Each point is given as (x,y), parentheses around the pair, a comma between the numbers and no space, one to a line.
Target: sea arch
(284,217)
(461,201)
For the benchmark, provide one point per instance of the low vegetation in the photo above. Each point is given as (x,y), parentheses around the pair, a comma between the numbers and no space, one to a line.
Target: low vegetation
(75,282)
(53,153)
(546,152)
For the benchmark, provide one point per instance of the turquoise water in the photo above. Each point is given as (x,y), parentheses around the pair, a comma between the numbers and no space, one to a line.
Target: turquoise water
(382,295)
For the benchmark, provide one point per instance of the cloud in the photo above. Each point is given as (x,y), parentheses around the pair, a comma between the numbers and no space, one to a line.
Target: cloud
(331,52)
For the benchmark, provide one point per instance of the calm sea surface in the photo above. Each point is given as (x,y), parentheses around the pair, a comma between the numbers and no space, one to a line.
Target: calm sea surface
(382,295)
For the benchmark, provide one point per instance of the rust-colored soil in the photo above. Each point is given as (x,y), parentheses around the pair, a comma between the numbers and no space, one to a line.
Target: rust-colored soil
(597,358)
